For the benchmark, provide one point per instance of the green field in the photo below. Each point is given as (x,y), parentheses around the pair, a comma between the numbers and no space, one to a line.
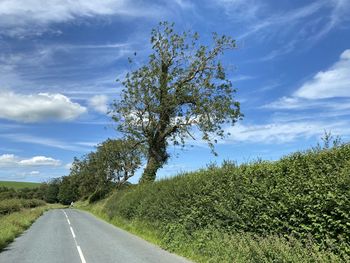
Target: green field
(18,185)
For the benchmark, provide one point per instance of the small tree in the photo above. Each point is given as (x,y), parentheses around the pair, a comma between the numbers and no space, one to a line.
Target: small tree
(118,160)
(97,173)
(183,86)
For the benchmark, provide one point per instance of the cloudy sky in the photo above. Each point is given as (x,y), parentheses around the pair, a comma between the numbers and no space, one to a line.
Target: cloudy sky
(59,60)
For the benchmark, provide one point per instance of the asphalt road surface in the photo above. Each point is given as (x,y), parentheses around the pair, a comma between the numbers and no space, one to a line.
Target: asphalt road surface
(73,236)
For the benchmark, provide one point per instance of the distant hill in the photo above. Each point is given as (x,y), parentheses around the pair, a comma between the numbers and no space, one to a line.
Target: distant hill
(18,185)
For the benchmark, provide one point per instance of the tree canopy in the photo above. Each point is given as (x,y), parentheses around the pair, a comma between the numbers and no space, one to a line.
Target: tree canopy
(182,87)
(97,173)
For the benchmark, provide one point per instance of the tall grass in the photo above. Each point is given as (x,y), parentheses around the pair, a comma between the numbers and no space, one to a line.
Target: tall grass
(12,225)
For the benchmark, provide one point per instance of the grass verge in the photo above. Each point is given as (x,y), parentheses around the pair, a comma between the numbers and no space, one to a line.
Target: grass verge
(146,232)
(209,245)
(14,224)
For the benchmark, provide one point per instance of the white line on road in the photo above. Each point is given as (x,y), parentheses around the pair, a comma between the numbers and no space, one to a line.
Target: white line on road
(81,255)
(71,230)
(66,217)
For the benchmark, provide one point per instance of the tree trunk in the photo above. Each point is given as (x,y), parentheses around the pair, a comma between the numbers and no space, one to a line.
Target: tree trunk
(157,156)
(149,174)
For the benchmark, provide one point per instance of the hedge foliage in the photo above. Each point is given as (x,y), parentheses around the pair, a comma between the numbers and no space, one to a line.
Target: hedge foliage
(13,205)
(305,196)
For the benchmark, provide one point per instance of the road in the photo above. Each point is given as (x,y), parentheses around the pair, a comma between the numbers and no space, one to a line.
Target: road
(74,236)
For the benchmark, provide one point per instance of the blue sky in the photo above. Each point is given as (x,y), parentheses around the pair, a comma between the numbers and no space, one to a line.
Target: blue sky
(59,60)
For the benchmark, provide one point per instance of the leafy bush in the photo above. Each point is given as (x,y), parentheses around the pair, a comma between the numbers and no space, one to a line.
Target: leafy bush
(7,193)
(305,196)
(97,195)
(51,193)
(210,245)
(38,192)
(13,205)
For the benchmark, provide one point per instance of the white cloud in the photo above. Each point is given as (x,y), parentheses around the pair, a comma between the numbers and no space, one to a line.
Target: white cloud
(38,107)
(11,160)
(242,10)
(99,103)
(263,19)
(26,138)
(334,82)
(34,173)
(59,69)
(241,78)
(339,13)
(20,17)
(307,23)
(283,132)
(8,160)
(88,144)
(293,103)
(184,4)
(39,161)
(277,131)
(329,89)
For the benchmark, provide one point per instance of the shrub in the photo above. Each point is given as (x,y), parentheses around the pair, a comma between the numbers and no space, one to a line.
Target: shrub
(305,195)
(13,205)
(97,195)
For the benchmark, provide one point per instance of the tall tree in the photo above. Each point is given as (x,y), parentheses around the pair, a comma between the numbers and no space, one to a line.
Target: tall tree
(51,194)
(182,86)
(83,171)
(68,190)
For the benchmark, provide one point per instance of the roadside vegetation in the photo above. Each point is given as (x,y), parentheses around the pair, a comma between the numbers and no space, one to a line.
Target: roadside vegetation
(9,206)
(295,209)
(14,223)
(46,191)
(21,204)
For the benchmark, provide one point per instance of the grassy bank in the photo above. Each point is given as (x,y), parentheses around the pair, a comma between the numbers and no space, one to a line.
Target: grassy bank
(292,210)
(13,224)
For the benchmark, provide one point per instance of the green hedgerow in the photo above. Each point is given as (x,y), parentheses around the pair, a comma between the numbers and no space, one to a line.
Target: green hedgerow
(304,196)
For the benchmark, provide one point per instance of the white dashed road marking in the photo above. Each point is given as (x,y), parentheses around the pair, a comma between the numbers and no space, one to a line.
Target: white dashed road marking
(81,255)
(71,230)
